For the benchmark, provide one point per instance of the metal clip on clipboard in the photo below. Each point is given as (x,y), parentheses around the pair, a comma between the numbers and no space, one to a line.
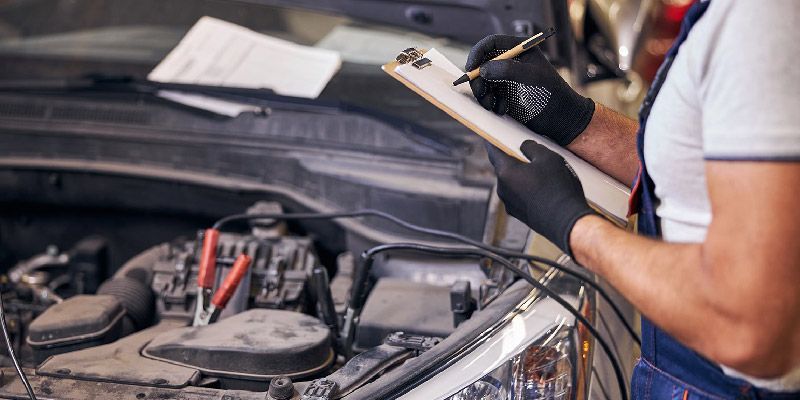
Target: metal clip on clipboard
(413,56)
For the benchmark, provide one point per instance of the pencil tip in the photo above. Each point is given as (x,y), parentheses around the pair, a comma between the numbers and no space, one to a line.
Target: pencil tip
(462,79)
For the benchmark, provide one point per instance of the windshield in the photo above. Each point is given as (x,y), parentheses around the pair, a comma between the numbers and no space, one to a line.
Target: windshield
(72,38)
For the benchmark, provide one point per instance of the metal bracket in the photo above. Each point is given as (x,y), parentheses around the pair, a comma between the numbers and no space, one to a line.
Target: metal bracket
(418,343)
(320,389)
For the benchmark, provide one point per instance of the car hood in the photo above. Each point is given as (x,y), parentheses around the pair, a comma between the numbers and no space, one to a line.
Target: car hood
(463,20)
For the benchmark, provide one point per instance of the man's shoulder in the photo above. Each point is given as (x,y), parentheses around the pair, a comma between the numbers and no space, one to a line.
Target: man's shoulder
(743,61)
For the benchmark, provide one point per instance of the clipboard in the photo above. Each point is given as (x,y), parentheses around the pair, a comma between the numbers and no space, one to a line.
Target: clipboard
(604,193)
(416,57)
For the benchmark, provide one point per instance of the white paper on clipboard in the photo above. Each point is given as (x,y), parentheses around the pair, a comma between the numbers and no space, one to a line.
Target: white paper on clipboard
(436,81)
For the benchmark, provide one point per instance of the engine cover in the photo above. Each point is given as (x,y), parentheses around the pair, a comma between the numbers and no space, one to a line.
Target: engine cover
(257,344)
(77,323)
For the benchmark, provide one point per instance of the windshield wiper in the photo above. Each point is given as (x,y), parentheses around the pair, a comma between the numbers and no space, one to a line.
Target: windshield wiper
(263,98)
(127,84)
(95,82)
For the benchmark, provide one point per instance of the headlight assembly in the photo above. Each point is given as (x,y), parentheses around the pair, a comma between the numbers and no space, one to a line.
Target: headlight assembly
(551,368)
(540,354)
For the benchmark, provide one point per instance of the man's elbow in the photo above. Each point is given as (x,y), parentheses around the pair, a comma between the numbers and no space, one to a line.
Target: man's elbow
(756,350)
(756,319)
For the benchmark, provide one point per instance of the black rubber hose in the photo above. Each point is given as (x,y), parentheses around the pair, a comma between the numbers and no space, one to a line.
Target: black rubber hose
(136,297)
(141,266)
(13,355)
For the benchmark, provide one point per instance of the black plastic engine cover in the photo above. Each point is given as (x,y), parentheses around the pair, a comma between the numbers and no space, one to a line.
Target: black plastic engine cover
(414,307)
(257,344)
(77,323)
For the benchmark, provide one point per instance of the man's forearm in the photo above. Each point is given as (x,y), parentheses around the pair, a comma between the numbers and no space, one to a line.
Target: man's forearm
(636,266)
(673,285)
(609,143)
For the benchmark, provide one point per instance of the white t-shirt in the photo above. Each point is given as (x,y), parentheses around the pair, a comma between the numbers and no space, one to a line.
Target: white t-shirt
(733,93)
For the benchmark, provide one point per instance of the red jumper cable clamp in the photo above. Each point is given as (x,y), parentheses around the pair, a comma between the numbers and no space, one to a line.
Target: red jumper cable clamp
(226,290)
(206,273)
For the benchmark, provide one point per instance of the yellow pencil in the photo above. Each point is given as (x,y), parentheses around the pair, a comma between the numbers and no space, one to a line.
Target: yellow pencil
(515,51)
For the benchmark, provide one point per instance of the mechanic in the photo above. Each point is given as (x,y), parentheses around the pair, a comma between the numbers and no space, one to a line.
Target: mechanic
(718,279)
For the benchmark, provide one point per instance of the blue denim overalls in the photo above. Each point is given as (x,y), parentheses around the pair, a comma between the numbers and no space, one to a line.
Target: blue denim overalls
(667,369)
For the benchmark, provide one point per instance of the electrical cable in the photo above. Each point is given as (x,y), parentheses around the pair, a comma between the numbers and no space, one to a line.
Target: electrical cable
(445,251)
(12,354)
(441,234)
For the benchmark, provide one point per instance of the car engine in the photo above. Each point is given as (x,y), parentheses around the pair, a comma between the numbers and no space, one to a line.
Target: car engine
(268,314)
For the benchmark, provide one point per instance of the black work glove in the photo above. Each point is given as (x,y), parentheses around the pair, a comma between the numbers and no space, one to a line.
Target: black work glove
(545,194)
(528,89)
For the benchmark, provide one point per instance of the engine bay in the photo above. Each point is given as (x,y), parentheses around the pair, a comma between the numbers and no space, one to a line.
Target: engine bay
(249,307)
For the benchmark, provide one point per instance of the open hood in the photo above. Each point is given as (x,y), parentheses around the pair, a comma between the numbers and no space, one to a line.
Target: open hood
(464,20)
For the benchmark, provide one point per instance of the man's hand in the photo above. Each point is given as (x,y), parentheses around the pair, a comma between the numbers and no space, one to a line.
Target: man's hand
(545,194)
(528,89)
(531,91)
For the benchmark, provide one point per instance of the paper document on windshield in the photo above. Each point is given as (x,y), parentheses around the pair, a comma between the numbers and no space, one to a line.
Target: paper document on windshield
(219,53)
(433,80)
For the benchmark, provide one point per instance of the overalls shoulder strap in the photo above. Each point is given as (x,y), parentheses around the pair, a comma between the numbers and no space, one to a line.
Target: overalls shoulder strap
(642,201)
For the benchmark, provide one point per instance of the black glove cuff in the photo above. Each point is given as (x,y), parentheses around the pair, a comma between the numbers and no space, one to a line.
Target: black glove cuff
(573,120)
(564,245)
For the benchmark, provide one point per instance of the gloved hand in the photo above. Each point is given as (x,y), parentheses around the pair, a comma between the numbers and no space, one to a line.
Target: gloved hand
(528,89)
(545,194)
